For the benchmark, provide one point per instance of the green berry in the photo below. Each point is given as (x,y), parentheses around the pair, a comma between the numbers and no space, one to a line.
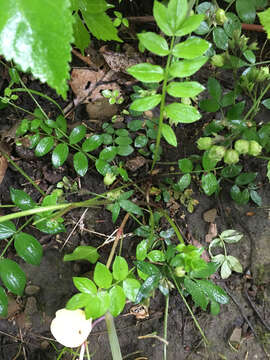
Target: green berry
(109,179)
(241,146)
(218,60)
(254,148)
(180,271)
(220,17)
(216,152)
(231,157)
(204,143)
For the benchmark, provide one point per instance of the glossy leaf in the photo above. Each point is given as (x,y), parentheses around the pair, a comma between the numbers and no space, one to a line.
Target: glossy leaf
(124,150)
(92,143)
(246,11)
(146,72)
(44,146)
(181,113)
(130,207)
(209,184)
(131,288)
(141,250)
(187,68)
(240,197)
(7,229)
(154,43)
(28,248)
(102,166)
(256,197)
(220,38)
(191,48)
(145,103)
(120,268)
(115,210)
(102,276)
(232,24)
(190,24)
(169,135)
(108,154)
(78,301)
(156,256)
(77,134)
(231,171)
(85,285)
(184,182)
(185,89)
(140,141)
(117,300)
(245,178)
(21,199)
(149,285)
(196,292)
(59,155)
(12,276)
(161,16)
(3,303)
(177,11)
(147,268)
(38,41)
(80,163)
(185,165)
(88,253)
(98,305)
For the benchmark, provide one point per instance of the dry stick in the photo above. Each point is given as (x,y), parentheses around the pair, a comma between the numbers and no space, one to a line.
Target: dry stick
(85,59)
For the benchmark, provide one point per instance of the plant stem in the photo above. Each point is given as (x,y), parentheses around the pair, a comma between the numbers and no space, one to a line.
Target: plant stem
(171,222)
(162,104)
(113,338)
(166,326)
(257,103)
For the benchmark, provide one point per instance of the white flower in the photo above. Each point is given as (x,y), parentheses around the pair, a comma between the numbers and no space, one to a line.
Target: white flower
(70,327)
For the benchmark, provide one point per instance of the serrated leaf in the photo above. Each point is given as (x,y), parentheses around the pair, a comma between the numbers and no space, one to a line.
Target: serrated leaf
(28,248)
(88,253)
(85,285)
(117,300)
(190,24)
(265,21)
(21,199)
(214,292)
(44,146)
(3,303)
(102,276)
(147,73)
(187,68)
(131,288)
(120,268)
(225,270)
(80,163)
(209,184)
(154,43)
(77,134)
(59,155)
(181,113)
(130,207)
(246,11)
(169,135)
(7,229)
(38,41)
(12,276)
(191,48)
(185,89)
(81,35)
(145,103)
(196,292)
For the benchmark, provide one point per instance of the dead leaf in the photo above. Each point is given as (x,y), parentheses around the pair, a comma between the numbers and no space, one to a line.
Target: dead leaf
(212,232)
(136,163)
(3,167)
(210,215)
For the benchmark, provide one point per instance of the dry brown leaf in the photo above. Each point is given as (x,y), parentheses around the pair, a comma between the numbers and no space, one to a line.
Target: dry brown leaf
(136,163)
(210,215)
(3,167)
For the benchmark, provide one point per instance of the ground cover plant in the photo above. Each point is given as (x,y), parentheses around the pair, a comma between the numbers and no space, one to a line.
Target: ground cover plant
(165,96)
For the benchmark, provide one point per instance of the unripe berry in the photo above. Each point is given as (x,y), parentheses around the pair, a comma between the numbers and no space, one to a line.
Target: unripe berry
(220,17)
(204,143)
(254,148)
(216,152)
(231,157)
(241,146)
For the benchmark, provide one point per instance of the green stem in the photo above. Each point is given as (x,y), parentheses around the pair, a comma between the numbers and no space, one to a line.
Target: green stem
(162,104)
(5,100)
(165,326)
(257,103)
(113,339)
(175,228)
(22,172)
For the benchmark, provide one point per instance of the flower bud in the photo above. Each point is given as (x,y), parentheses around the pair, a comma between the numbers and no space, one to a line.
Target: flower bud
(109,179)
(241,146)
(216,152)
(204,143)
(231,157)
(254,148)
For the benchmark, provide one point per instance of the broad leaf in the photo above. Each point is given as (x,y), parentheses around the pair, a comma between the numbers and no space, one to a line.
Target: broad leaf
(169,135)
(154,43)
(213,291)
(60,154)
(83,253)
(184,182)
(235,264)
(145,103)
(77,134)
(80,163)
(181,113)
(7,229)
(103,167)
(220,38)
(120,268)
(185,89)
(231,236)
(187,67)
(265,20)
(117,300)
(81,35)
(102,276)
(12,276)
(177,11)
(131,288)
(108,154)
(190,24)
(85,285)
(44,146)
(185,165)
(147,268)
(79,301)
(209,184)
(214,89)
(37,36)
(21,199)
(161,16)
(246,11)
(98,305)
(156,256)
(191,48)
(196,292)
(28,248)
(225,270)
(3,302)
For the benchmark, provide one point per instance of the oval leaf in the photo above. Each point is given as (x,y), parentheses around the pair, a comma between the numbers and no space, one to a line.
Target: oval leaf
(181,113)
(209,184)
(120,268)
(191,48)
(145,103)
(44,146)
(12,276)
(59,155)
(7,229)
(131,288)
(154,43)
(21,199)
(187,67)
(77,134)
(146,72)
(3,302)
(169,135)
(28,248)
(80,163)
(185,89)
(85,285)
(102,276)
(117,300)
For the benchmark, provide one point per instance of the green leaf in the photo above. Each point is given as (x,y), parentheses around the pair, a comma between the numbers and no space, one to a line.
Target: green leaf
(209,184)
(102,276)
(207,162)
(79,301)
(7,229)
(59,155)
(191,48)
(214,308)
(98,305)
(140,141)
(214,292)
(250,56)
(268,170)
(239,197)
(161,16)
(185,89)
(214,89)
(108,154)
(130,207)
(77,134)
(210,105)
(196,292)
(85,285)
(256,197)
(231,236)
(49,226)
(204,272)
(141,250)
(123,140)
(169,134)
(154,43)
(3,303)
(147,268)
(21,199)
(44,146)
(147,73)
(100,24)
(190,24)
(102,167)
(156,256)
(177,11)
(231,171)
(188,67)
(124,150)
(120,268)
(28,248)
(149,285)
(81,35)
(185,165)
(245,178)
(92,143)
(145,103)
(246,11)
(88,253)
(131,288)
(80,163)
(265,21)
(115,210)
(225,270)
(117,300)
(12,276)
(181,113)
(183,182)
(232,24)
(38,41)
(220,38)
(94,6)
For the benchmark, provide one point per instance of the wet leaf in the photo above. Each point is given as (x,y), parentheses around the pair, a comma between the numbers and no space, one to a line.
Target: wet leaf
(28,248)
(3,303)
(149,285)
(183,182)
(141,250)
(209,184)
(147,268)
(220,38)
(92,143)
(246,11)
(12,276)
(156,256)
(131,288)
(196,292)
(103,167)
(214,292)
(108,154)
(77,134)
(256,197)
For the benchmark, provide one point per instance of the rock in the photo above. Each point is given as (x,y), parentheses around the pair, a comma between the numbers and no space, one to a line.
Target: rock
(32,290)
(210,215)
